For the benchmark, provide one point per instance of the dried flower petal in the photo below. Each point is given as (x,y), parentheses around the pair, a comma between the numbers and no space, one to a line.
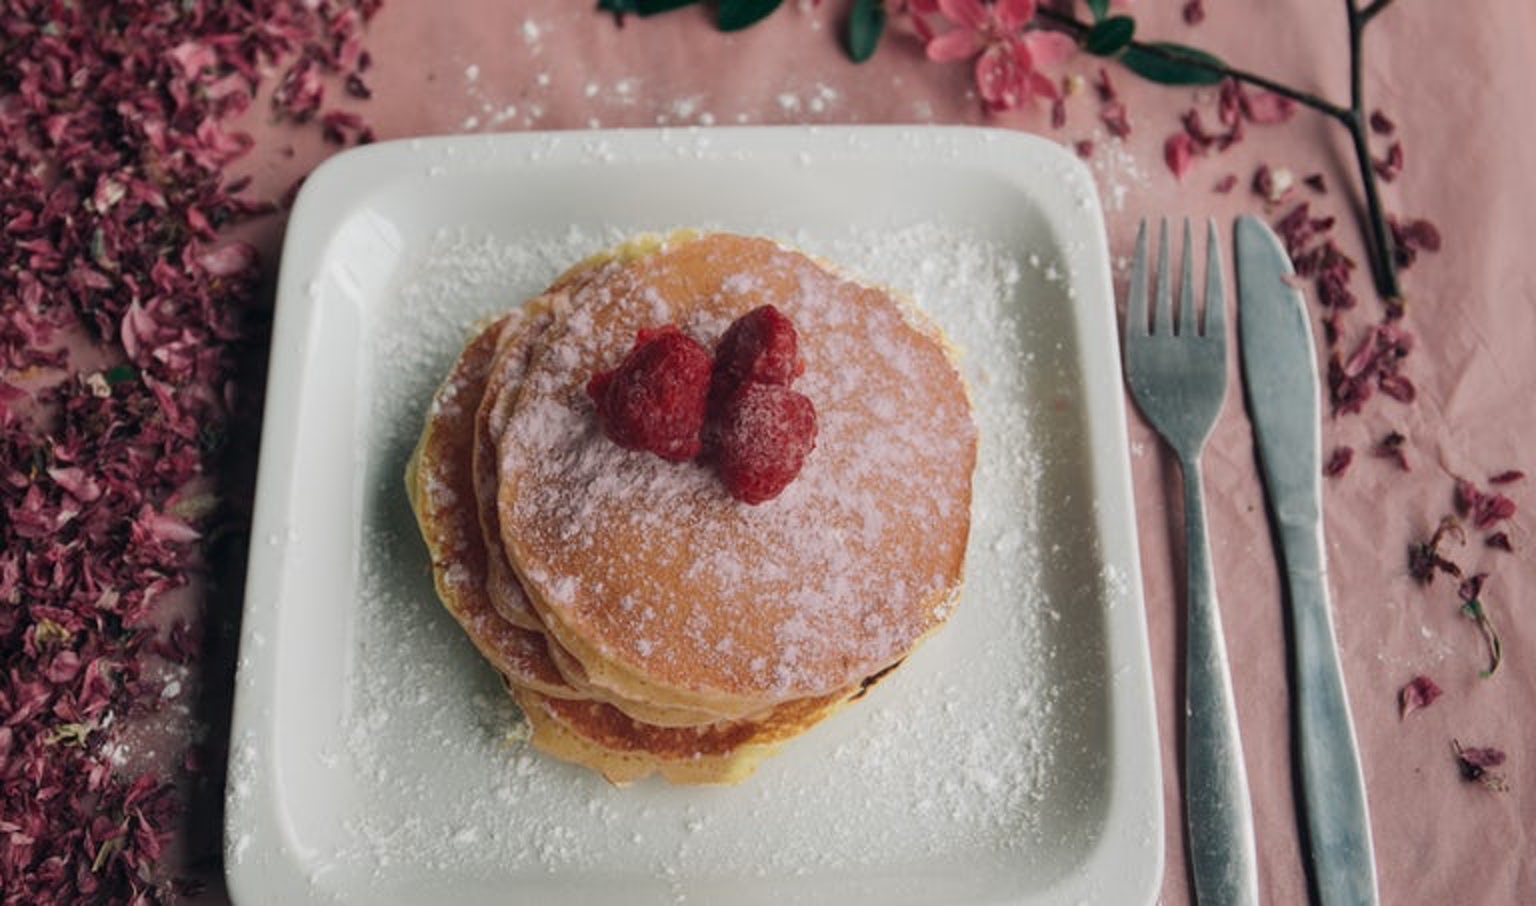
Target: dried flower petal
(1465,495)
(1377,359)
(1425,559)
(1482,508)
(1421,234)
(1266,107)
(357,88)
(1205,140)
(1420,692)
(119,125)
(1273,184)
(1475,764)
(1411,237)
(1397,386)
(1298,228)
(1339,461)
(1104,86)
(1115,118)
(1481,757)
(1390,167)
(1471,587)
(1178,153)
(1391,447)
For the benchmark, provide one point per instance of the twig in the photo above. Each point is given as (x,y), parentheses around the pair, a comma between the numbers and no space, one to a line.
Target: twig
(1370,12)
(1385,257)
(1352,118)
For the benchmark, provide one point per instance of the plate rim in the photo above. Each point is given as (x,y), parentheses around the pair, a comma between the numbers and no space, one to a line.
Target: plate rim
(329,198)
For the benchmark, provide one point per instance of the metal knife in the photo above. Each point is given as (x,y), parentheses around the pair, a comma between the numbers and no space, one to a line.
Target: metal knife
(1281,388)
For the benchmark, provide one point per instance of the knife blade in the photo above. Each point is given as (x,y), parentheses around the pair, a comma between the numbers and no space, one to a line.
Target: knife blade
(1281,389)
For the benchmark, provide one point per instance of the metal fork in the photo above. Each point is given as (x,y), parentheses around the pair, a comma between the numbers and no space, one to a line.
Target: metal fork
(1177,373)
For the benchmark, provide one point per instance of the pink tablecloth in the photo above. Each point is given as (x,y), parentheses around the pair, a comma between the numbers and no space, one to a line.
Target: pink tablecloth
(1454,80)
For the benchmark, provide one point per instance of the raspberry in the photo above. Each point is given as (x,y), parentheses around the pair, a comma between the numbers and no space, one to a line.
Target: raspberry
(656,398)
(761,345)
(760,437)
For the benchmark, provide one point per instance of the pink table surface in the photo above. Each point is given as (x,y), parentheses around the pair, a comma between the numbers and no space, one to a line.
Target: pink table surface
(1456,82)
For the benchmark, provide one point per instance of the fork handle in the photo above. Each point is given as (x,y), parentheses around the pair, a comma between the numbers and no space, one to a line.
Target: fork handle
(1218,816)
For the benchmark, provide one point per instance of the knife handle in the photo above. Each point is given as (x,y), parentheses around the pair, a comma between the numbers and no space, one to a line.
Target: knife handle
(1333,788)
(1218,815)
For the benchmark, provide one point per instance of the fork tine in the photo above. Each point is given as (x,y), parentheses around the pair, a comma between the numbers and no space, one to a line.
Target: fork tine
(1187,318)
(1215,297)
(1162,317)
(1136,296)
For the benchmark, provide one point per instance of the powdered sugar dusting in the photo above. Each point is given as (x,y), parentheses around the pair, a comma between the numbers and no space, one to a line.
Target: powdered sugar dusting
(842,598)
(1116,170)
(968,751)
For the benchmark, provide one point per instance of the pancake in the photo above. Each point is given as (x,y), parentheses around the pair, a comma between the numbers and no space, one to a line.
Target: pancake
(575,676)
(504,374)
(593,733)
(665,588)
(440,487)
(606,740)
(440,478)
(644,621)
(505,592)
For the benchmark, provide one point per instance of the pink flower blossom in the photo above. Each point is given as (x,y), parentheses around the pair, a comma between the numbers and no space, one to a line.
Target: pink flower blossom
(1008,52)
(1420,692)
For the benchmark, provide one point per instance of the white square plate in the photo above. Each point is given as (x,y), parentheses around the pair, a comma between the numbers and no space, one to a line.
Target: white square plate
(1012,759)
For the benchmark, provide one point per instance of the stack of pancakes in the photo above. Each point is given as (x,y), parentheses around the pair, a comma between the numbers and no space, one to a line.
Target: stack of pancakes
(644,620)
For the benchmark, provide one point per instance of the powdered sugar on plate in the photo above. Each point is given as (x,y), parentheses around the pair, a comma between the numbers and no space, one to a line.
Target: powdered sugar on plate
(958,752)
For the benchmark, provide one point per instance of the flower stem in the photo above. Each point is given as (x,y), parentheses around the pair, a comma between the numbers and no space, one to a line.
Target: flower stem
(1370,12)
(1385,257)
(1352,118)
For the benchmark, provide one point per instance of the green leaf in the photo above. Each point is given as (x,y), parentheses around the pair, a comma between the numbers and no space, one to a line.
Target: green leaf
(1110,36)
(652,7)
(642,7)
(738,14)
(1175,65)
(1099,8)
(119,373)
(865,24)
